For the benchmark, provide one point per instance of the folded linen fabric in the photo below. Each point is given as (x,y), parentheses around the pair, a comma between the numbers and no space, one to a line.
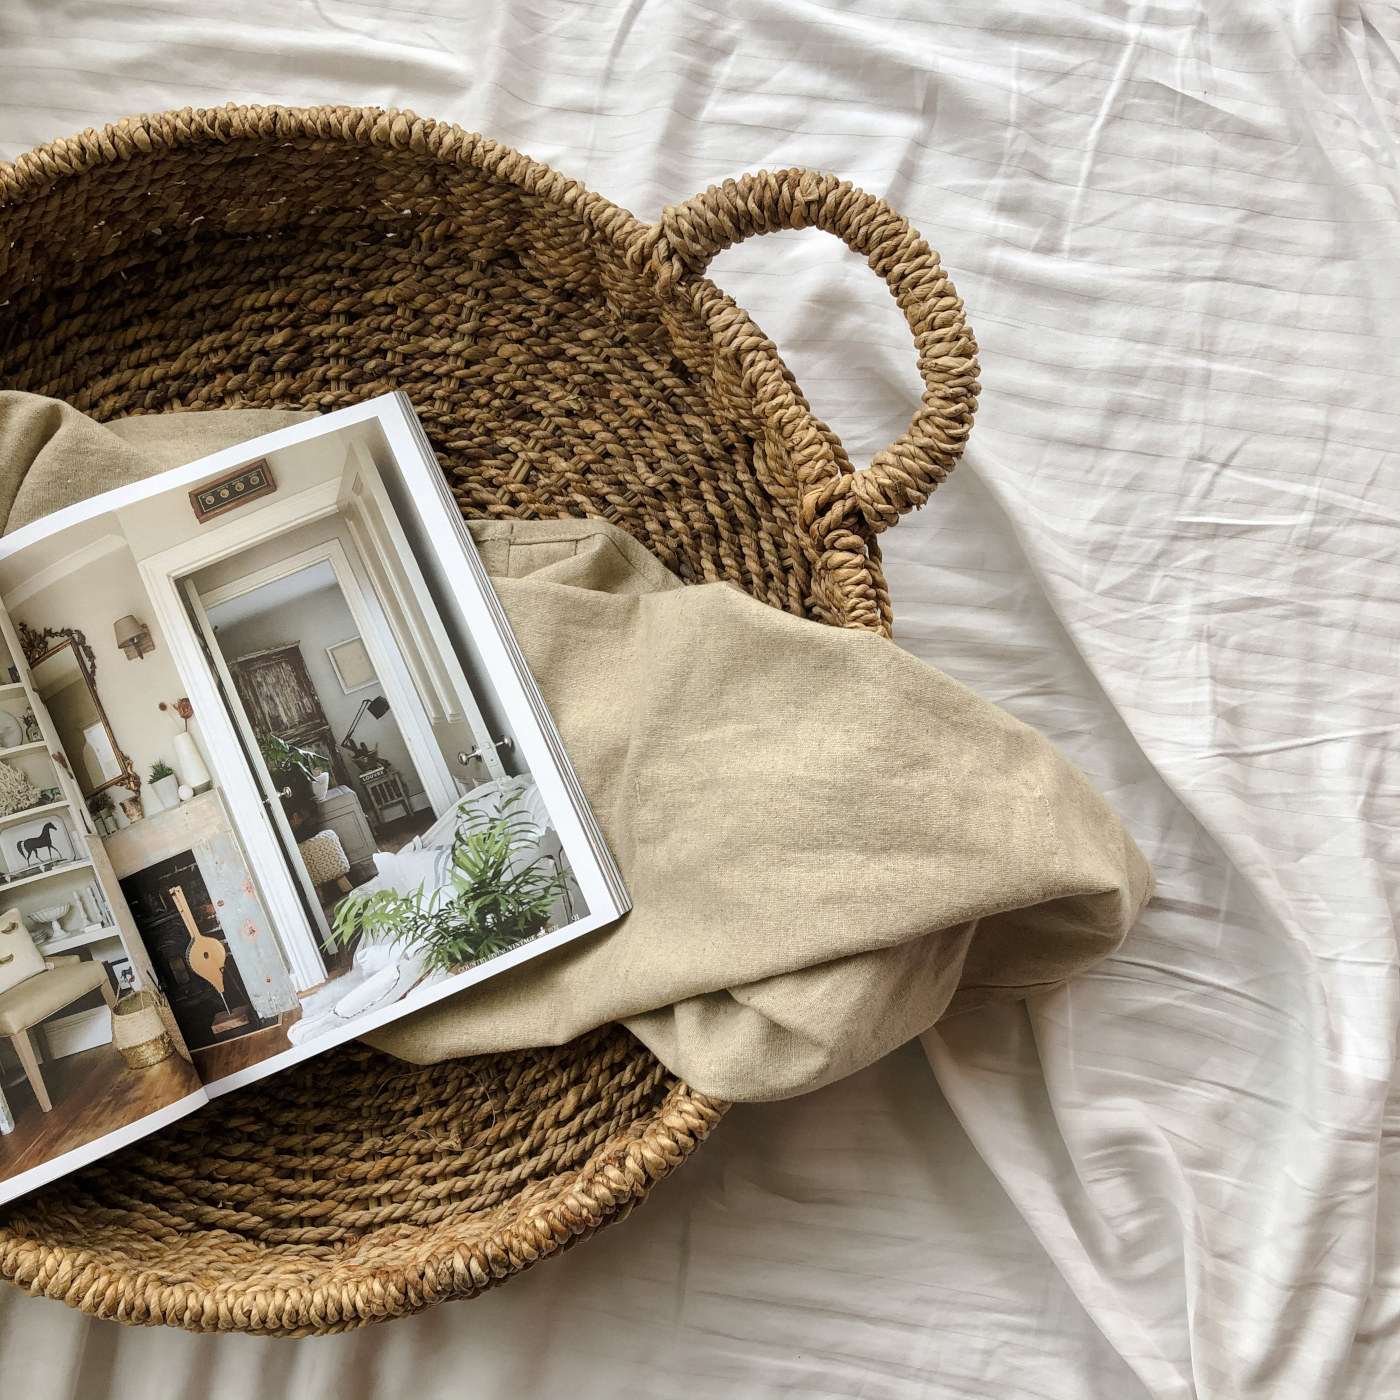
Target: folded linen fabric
(829,844)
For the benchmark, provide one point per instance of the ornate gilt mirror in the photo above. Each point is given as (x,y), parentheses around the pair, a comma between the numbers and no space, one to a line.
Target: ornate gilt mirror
(64,671)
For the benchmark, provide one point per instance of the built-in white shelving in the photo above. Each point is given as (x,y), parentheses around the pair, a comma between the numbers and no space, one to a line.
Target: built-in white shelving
(80,939)
(28,813)
(45,887)
(67,868)
(33,747)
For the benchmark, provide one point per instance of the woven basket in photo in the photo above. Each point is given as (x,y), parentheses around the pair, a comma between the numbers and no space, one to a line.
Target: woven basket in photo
(138,1030)
(566,359)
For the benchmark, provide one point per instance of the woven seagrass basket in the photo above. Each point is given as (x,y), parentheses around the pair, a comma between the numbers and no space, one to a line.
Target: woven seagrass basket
(138,1030)
(566,359)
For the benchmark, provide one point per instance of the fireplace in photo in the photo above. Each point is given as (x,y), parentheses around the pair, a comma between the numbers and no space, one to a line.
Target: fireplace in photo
(180,927)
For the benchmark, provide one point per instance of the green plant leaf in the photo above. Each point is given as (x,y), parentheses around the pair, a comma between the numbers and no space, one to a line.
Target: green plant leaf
(493,899)
(278,754)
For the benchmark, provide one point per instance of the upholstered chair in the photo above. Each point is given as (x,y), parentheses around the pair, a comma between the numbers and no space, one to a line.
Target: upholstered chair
(33,988)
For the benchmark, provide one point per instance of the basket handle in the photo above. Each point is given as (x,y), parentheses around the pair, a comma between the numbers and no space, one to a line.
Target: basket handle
(903,475)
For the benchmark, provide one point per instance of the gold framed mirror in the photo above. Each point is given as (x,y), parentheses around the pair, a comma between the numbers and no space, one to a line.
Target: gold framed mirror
(64,672)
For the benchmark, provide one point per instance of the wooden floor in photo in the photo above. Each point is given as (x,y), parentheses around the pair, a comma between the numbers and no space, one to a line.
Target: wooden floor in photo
(230,1056)
(94,1092)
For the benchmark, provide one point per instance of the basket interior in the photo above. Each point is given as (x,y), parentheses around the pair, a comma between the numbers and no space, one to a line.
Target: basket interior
(306,273)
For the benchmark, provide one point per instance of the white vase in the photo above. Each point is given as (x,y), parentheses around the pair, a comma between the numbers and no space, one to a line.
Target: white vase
(320,786)
(190,764)
(167,789)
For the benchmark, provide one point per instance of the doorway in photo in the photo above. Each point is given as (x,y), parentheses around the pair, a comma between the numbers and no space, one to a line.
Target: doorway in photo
(330,746)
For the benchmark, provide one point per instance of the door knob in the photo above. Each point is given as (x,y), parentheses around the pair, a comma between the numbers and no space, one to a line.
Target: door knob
(464,758)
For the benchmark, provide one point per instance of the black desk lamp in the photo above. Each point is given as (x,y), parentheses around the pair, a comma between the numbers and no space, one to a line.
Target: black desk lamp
(376,708)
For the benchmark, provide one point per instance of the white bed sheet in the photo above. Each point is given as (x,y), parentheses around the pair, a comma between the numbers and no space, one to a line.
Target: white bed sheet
(1172,546)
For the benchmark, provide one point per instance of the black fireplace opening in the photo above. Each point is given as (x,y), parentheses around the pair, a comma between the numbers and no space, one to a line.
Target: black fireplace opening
(205,1015)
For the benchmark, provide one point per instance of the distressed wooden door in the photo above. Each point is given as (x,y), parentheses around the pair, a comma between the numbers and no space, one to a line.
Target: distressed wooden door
(279,698)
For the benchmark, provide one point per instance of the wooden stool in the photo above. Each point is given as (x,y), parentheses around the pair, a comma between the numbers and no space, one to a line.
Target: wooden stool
(385,791)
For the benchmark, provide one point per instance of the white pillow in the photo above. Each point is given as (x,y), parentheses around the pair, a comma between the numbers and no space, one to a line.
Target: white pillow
(408,870)
(488,800)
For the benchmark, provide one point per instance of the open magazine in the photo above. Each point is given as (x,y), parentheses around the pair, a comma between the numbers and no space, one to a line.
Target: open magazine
(273,772)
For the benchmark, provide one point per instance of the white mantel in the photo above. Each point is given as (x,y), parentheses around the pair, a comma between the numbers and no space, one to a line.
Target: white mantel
(165,834)
(201,827)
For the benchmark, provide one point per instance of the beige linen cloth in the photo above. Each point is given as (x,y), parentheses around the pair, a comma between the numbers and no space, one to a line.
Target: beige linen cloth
(829,845)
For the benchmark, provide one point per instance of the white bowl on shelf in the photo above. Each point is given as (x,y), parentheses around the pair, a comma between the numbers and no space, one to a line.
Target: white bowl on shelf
(51,916)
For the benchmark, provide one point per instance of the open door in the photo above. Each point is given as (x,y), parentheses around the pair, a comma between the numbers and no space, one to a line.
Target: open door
(271,800)
(418,632)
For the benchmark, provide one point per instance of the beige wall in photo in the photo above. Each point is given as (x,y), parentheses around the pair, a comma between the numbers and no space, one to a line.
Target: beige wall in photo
(160,522)
(104,586)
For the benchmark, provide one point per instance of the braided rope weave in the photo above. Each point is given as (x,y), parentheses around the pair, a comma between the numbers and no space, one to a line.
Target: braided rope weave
(566,360)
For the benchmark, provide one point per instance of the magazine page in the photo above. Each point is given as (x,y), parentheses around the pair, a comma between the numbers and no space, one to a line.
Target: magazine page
(318,770)
(424,502)
(76,1080)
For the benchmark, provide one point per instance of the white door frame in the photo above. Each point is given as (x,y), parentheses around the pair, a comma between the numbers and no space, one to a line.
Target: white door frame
(404,704)
(161,573)
(388,561)
(271,805)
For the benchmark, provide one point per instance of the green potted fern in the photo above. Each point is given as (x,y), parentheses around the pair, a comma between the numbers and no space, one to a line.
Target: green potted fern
(164,783)
(493,900)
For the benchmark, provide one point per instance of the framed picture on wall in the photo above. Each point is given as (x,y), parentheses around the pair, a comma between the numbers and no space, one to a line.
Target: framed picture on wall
(122,975)
(353,668)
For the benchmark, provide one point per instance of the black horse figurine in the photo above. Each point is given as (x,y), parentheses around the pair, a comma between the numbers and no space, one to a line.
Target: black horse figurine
(30,847)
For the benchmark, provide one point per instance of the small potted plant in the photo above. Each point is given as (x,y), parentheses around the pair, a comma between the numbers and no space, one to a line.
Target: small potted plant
(164,783)
(495,899)
(103,817)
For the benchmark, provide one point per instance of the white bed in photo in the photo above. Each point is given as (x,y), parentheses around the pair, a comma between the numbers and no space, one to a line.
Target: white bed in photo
(383,970)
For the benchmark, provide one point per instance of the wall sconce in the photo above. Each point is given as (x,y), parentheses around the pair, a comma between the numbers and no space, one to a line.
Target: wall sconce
(134,638)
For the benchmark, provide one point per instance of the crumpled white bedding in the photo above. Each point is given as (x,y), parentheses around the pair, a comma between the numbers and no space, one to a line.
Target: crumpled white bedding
(1172,546)
(382,971)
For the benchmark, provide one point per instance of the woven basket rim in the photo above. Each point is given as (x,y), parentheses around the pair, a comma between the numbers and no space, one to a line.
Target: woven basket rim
(841,509)
(34,173)
(544,1217)
(133,1002)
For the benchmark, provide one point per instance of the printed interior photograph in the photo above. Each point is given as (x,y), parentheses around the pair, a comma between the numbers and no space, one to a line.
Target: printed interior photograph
(251,796)
(87,1044)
